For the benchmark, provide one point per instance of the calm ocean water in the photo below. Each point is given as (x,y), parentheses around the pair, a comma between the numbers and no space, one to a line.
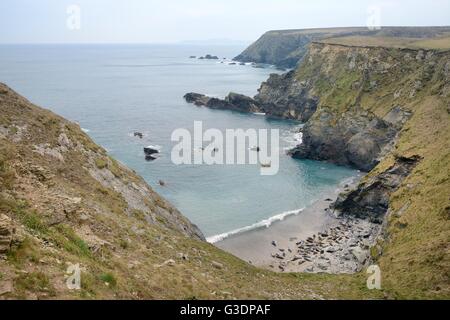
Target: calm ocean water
(114,90)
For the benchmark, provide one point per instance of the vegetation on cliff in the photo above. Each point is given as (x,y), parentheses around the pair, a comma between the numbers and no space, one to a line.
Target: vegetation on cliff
(64,201)
(388,108)
(382,106)
(285,48)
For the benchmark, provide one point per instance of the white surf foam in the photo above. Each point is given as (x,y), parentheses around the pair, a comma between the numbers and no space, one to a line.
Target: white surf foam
(261,224)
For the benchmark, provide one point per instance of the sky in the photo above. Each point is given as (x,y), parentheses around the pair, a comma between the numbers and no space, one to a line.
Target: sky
(172,21)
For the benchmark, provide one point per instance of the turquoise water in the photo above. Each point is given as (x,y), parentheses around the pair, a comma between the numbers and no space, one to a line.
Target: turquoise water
(112,91)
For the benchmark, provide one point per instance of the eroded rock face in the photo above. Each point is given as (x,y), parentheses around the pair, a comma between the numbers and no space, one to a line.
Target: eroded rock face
(370,200)
(283,96)
(355,139)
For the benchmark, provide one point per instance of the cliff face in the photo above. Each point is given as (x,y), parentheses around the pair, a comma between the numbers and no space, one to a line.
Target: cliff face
(285,48)
(284,97)
(46,147)
(384,110)
(364,97)
(354,100)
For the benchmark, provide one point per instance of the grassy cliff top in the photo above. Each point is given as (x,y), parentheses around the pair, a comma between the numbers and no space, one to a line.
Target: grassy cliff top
(440,42)
(384,31)
(287,47)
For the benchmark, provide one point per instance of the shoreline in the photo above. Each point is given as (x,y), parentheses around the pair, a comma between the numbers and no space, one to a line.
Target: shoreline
(314,240)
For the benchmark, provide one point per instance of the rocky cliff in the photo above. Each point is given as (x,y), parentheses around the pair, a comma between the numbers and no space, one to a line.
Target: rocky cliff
(353,99)
(285,48)
(363,96)
(383,108)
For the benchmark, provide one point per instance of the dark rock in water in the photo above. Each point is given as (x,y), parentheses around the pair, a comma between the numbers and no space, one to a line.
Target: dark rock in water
(140,135)
(234,101)
(161,183)
(196,98)
(151,150)
(259,66)
(242,64)
(277,98)
(192,57)
(150,158)
(370,200)
(232,63)
(209,57)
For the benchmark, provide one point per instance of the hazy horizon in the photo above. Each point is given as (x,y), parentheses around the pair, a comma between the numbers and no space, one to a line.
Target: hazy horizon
(198,21)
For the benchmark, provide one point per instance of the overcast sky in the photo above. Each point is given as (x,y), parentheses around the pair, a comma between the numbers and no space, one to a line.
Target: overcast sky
(157,21)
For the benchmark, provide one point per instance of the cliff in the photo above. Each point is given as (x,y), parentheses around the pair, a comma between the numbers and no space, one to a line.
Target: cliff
(364,97)
(384,110)
(285,48)
(381,107)
(64,201)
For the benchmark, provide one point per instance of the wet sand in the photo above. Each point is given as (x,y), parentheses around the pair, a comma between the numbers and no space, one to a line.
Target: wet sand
(256,246)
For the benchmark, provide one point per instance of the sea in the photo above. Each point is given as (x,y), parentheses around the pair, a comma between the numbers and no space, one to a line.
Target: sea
(115,90)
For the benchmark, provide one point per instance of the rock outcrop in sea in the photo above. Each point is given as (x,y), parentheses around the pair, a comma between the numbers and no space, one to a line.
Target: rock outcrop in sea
(233,101)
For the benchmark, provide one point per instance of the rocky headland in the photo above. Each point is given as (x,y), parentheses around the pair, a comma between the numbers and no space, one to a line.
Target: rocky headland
(380,108)
(286,48)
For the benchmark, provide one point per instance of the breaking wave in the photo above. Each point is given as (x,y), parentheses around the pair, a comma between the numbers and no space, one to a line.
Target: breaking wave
(261,224)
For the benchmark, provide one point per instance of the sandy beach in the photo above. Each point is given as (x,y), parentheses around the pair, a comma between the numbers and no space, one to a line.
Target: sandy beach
(256,246)
(336,241)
